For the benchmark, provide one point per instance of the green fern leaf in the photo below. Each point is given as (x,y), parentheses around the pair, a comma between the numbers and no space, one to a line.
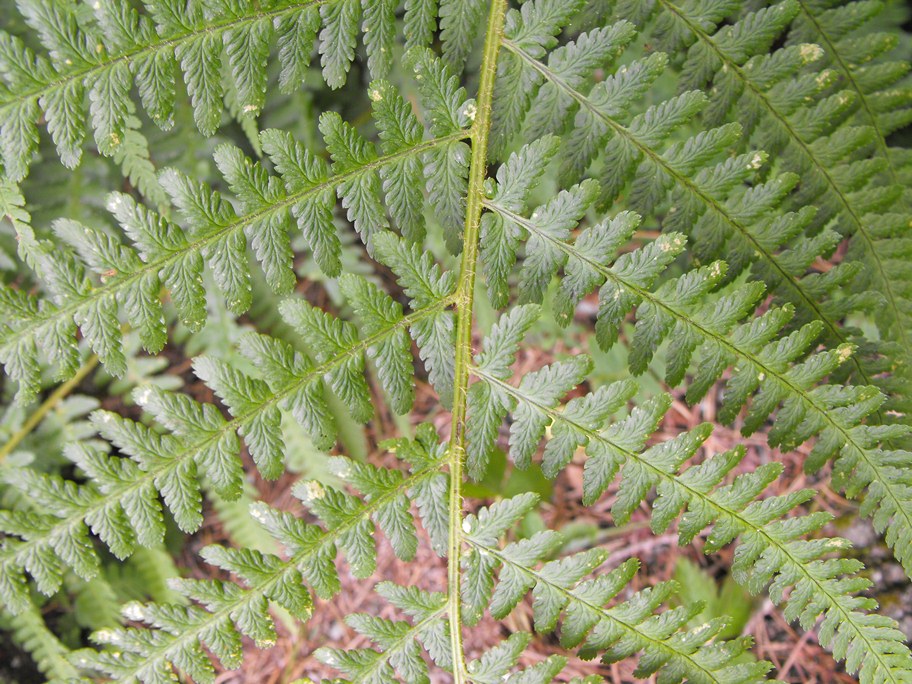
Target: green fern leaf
(710,191)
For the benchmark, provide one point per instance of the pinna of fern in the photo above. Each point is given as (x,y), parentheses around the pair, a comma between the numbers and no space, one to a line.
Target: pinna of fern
(148,655)
(120,504)
(706,331)
(109,50)
(701,188)
(50,655)
(130,276)
(816,122)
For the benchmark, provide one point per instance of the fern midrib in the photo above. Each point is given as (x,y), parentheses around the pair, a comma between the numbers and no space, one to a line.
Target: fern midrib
(663,645)
(806,398)
(117,284)
(172,42)
(465,294)
(692,187)
(231,426)
(292,564)
(799,564)
(850,77)
(828,177)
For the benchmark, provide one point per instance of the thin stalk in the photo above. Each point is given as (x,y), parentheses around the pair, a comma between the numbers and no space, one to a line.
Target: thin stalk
(47,406)
(465,294)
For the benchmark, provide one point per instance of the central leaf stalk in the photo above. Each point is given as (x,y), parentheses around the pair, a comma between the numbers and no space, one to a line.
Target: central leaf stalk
(465,295)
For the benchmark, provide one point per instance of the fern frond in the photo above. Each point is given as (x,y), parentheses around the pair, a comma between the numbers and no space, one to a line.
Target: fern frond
(223,610)
(96,604)
(460,24)
(771,157)
(121,48)
(864,65)
(705,190)
(121,503)
(240,527)
(800,118)
(684,311)
(862,459)
(495,665)
(12,205)
(145,576)
(400,642)
(131,276)
(29,631)
(771,551)
(558,587)
(369,666)
(134,159)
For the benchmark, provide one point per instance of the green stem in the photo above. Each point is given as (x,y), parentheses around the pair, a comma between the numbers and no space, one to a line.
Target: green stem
(465,294)
(47,406)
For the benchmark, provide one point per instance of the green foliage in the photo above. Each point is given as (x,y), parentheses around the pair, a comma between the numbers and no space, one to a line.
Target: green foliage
(29,631)
(730,600)
(613,633)
(771,551)
(816,120)
(161,253)
(103,54)
(716,190)
(230,611)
